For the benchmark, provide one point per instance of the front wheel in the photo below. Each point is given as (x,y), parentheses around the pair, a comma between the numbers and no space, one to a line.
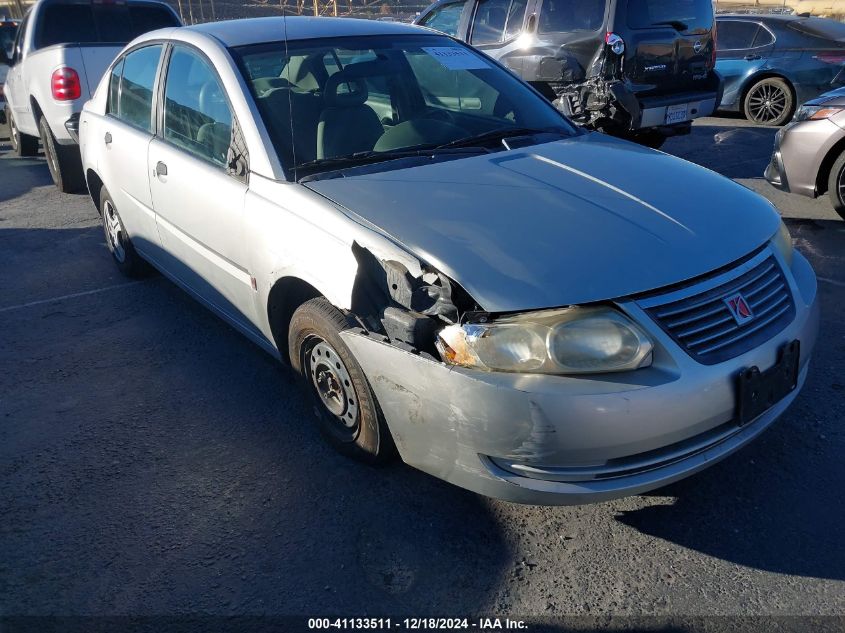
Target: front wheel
(836,185)
(64,161)
(769,102)
(345,406)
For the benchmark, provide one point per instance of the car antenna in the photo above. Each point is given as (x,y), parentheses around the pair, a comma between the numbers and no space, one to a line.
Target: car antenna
(290,100)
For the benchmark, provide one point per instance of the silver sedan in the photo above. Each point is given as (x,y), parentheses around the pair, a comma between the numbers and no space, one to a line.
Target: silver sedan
(458,273)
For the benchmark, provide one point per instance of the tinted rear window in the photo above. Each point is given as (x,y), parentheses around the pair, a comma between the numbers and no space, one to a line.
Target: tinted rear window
(684,14)
(96,24)
(819,27)
(567,16)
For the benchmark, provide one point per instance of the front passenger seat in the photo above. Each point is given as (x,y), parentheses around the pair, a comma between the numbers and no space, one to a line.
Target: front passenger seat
(347,124)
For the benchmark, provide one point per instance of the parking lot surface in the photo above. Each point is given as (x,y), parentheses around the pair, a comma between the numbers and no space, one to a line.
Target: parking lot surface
(154,461)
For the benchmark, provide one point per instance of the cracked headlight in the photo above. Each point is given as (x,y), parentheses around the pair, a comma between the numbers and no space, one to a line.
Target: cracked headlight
(782,243)
(567,341)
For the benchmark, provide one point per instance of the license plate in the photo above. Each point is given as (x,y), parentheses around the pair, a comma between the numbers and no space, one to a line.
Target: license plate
(676,113)
(760,390)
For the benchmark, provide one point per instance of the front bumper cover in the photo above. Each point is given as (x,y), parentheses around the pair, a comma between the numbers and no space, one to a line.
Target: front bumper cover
(511,436)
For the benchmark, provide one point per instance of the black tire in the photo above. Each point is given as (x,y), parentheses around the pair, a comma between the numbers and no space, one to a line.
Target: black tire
(23,145)
(64,161)
(836,185)
(769,102)
(120,246)
(654,140)
(355,427)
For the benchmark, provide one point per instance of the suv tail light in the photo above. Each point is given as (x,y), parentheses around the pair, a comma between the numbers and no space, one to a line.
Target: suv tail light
(65,84)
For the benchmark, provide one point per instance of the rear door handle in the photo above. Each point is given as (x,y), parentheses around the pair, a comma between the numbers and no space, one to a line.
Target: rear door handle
(107,138)
(752,57)
(161,169)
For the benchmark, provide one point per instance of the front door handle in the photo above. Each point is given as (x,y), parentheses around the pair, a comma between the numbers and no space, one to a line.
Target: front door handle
(161,169)
(107,138)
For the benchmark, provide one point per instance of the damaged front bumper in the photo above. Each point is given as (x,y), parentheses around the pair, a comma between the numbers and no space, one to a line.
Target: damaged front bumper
(560,440)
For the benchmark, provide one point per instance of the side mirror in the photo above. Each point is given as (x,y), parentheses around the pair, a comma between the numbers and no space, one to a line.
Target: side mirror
(5,57)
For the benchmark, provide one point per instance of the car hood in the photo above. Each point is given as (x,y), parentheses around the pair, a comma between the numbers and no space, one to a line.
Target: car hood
(837,95)
(584,219)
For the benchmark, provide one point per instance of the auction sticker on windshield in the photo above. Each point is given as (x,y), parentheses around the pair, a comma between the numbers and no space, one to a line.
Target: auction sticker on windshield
(455,58)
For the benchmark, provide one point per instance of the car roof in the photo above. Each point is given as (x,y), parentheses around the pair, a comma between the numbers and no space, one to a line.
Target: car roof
(257,30)
(763,17)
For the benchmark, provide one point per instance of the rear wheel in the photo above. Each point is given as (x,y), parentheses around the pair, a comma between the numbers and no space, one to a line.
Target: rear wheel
(769,102)
(125,257)
(64,161)
(836,185)
(22,144)
(344,404)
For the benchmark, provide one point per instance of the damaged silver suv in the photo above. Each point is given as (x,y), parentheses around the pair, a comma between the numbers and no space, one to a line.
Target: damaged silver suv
(642,69)
(521,308)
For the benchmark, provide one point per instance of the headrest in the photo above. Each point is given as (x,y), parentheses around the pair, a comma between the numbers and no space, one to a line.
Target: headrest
(342,91)
(348,88)
(211,100)
(263,85)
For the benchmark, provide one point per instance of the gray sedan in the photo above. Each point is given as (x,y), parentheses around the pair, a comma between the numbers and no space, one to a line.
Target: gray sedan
(458,273)
(809,154)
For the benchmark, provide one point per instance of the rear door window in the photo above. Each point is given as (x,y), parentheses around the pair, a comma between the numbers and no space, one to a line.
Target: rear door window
(136,87)
(736,34)
(570,16)
(112,106)
(99,23)
(685,15)
(497,20)
(445,18)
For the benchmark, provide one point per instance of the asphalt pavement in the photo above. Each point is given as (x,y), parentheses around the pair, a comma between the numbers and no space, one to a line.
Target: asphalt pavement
(155,462)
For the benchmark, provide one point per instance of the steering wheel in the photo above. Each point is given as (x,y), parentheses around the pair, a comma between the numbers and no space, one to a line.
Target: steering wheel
(421,131)
(438,114)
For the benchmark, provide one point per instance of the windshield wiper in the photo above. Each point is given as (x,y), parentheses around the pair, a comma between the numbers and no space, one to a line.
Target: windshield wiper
(372,156)
(675,24)
(498,135)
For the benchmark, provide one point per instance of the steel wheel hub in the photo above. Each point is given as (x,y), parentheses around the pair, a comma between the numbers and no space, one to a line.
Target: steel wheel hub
(333,384)
(113,230)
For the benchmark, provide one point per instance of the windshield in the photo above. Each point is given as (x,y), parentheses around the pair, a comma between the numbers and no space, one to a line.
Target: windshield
(685,15)
(322,100)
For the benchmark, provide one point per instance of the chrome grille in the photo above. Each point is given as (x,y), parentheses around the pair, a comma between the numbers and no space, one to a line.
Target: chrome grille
(701,323)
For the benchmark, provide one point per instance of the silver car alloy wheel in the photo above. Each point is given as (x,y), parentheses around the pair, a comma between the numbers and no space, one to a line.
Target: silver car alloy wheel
(766,103)
(333,385)
(113,230)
